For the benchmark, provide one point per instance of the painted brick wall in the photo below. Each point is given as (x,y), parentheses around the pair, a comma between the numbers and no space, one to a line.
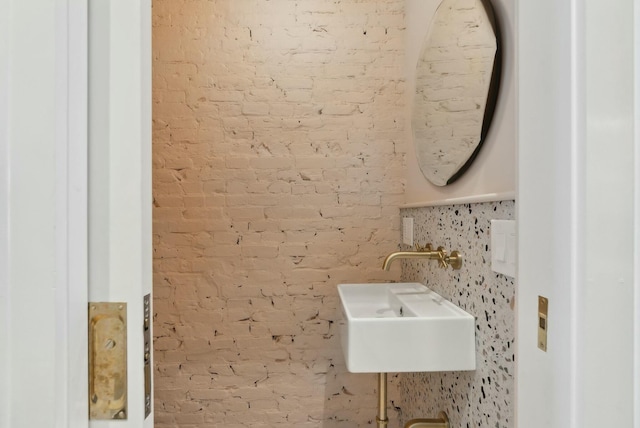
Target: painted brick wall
(278,166)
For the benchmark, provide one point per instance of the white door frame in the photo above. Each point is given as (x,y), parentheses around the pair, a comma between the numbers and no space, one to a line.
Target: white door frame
(44,203)
(43,215)
(5,304)
(636,333)
(552,128)
(72,216)
(120,202)
(578,166)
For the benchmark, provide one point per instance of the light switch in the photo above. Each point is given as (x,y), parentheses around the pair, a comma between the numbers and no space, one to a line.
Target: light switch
(511,243)
(503,247)
(499,249)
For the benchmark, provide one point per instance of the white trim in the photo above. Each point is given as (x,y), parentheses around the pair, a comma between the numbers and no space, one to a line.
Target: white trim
(120,200)
(43,213)
(5,307)
(545,213)
(516,309)
(605,326)
(636,181)
(487,197)
(71,214)
(77,215)
(32,220)
(61,352)
(577,202)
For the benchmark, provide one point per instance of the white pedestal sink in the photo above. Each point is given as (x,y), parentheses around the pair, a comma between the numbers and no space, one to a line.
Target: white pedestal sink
(404,327)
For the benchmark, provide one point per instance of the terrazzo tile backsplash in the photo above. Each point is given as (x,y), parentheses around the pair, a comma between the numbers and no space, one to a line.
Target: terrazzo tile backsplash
(484,397)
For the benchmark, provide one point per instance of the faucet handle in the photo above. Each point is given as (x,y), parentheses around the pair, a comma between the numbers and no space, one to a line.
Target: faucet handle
(442,258)
(455,260)
(427,247)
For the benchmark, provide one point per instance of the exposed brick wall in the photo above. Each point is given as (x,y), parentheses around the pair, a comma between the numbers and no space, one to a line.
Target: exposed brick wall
(278,172)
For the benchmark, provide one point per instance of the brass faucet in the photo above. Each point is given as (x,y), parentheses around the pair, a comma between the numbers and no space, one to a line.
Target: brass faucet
(427,252)
(442,421)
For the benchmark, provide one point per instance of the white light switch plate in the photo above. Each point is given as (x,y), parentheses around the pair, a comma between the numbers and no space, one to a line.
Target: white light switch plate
(503,247)
(407,230)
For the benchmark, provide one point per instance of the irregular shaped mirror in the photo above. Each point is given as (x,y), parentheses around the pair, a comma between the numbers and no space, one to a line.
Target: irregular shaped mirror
(457,79)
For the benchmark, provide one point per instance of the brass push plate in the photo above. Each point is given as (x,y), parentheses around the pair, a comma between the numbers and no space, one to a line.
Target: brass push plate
(543,323)
(107,361)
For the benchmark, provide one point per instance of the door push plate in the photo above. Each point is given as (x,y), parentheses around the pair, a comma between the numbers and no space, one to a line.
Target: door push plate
(107,360)
(543,324)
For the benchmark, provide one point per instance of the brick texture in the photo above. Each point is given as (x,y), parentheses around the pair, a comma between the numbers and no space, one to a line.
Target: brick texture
(278,172)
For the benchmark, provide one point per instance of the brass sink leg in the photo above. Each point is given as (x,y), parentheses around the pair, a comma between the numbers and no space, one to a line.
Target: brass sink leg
(382,419)
(442,421)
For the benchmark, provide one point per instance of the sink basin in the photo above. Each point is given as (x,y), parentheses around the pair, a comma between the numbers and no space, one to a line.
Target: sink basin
(404,327)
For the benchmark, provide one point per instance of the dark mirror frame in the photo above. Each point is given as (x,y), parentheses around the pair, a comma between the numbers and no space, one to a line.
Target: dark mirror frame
(492,95)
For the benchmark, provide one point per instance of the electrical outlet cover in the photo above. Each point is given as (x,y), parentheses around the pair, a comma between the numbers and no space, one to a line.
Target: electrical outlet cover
(407,230)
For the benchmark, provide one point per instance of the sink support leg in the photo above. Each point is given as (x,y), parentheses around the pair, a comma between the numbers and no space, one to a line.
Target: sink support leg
(382,419)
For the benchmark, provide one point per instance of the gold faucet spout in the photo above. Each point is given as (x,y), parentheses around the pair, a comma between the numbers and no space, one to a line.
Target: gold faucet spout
(408,255)
(454,260)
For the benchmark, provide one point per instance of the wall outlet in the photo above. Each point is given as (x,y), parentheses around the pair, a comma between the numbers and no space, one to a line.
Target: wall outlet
(407,230)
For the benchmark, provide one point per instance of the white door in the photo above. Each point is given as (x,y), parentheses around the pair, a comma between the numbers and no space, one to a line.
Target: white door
(75,214)
(578,213)
(120,253)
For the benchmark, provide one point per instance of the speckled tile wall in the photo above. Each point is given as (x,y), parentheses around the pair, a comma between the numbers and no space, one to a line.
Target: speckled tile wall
(484,397)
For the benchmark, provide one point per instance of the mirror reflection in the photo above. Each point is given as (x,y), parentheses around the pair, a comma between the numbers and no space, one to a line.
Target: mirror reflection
(457,79)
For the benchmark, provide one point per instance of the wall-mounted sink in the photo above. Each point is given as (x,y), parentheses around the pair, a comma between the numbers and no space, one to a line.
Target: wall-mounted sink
(404,327)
